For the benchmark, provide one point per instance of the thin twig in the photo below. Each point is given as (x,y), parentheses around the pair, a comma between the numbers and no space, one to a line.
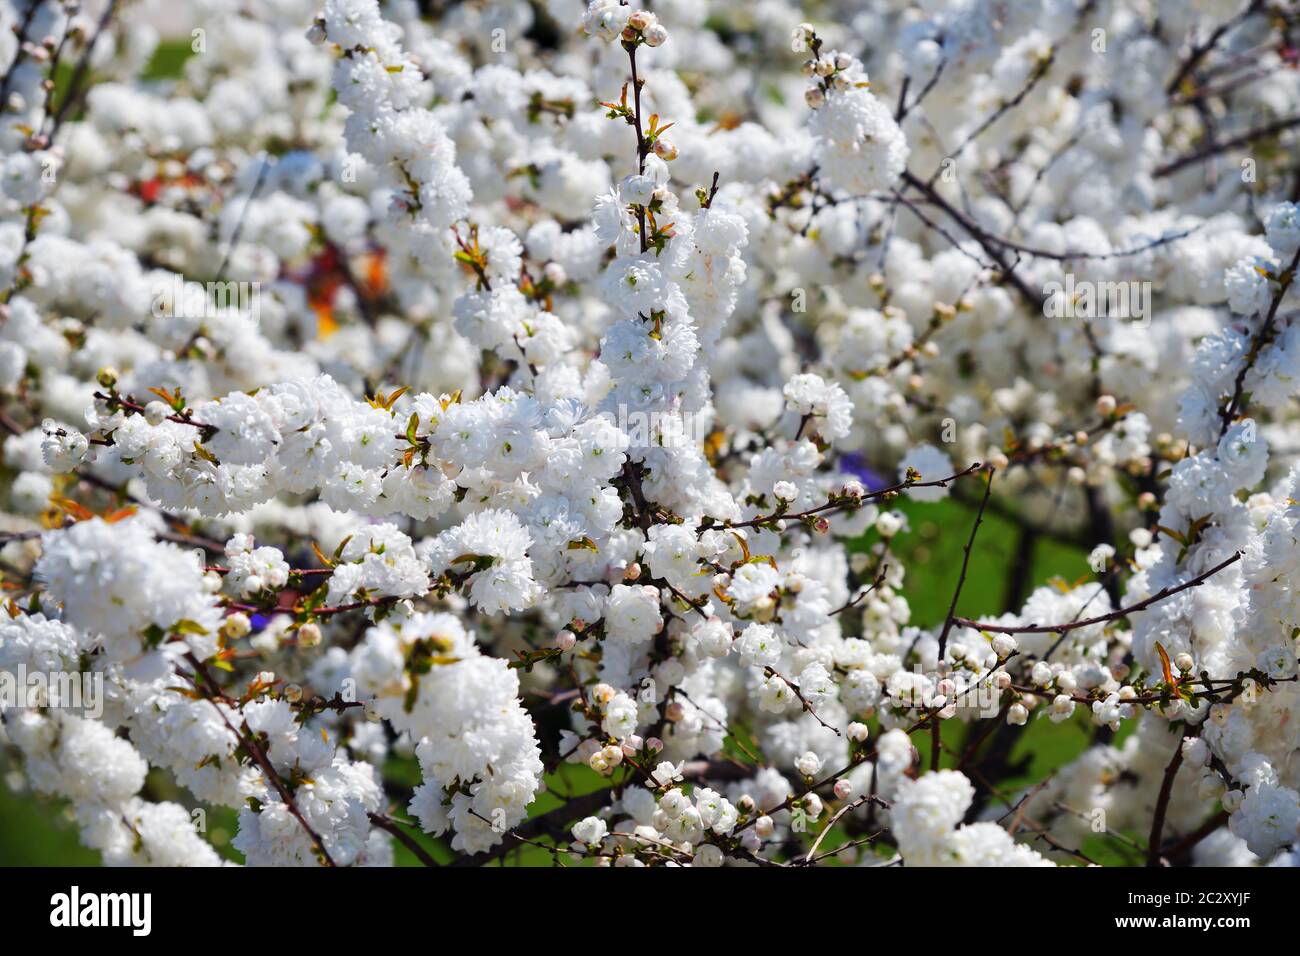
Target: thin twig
(1162,803)
(260,758)
(1160,595)
(965,563)
(392,826)
(1222,146)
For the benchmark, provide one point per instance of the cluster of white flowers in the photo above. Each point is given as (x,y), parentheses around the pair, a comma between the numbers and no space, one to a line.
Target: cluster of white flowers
(477,748)
(927,815)
(859,147)
(481,390)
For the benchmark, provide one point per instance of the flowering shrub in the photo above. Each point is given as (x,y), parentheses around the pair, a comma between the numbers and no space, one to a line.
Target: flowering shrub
(530,383)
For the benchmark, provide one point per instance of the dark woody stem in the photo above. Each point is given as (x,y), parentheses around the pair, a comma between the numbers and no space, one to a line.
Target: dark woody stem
(642,148)
(213,694)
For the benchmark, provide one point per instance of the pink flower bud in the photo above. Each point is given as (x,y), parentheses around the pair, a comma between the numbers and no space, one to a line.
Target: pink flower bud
(665,150)
(655,35)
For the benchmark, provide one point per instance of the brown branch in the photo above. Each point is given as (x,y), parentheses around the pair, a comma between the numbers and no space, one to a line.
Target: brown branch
(794,688)
(1257,343)
(1162,803)
(855,601)
(544,823)
(965,563)
(861,758)
(391,825)
(1200,51)
(1190,841)
(1222,146)
(642,149)
(259,757)
(982,237)
(848,503)
(1101,618)
(930,84)
(849,807)
(75,91)
(114,399)
(1040,70)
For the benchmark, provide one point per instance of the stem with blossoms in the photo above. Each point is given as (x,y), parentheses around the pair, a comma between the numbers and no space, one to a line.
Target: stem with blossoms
(397,446)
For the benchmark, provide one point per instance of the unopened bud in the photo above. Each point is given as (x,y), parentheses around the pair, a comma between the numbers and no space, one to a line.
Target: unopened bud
(665,150)
(236,625)
(555,274)
(155,413)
